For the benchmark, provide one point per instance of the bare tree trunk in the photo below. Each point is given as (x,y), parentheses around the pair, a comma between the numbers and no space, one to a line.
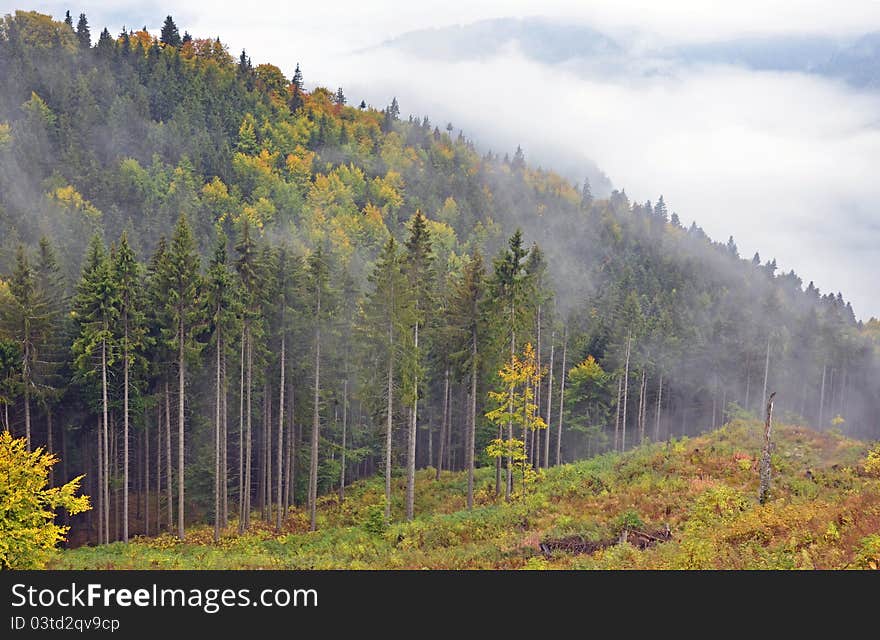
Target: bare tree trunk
(509,486)
(822,399)
(224,452)
(549,404)
(766,369)
(643,388)
(657,414)
(248,439)
(125,368)
(617,413)
(241,454)
(748,379)
(561,398)
(413,431)
(27,393)
(101,537)
(106,440)
(288,469)
(168,473)
(472,424)
(158,468)
(388,426)
(49,447)
(625,395)
(764,490)
(146,474)
(181,378)
(316,426)
(344,433)
(217,418)
(442,442)
(279,459)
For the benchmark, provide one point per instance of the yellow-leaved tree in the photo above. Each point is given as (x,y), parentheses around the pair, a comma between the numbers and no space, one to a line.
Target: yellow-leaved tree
(514,404)
(28,533)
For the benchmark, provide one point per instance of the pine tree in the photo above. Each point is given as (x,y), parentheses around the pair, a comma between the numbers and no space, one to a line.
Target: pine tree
(586,194)
(179,279)
(320,303)
(339,98)
(170,35)
(131,336)
(67,19)
(25,319)
(518,164)
(96,309)
(507,297)
(221,300)
(468,323)
(82,32)
(418,269)
(386,318)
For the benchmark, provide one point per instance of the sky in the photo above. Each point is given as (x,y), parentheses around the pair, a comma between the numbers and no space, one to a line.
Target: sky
(784,162)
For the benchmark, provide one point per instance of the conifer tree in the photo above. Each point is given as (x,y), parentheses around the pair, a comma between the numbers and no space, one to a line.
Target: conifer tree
(180,280)
(82,32)
(170,35)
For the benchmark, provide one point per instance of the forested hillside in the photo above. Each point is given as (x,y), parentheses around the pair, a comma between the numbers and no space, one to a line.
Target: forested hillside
(222,294)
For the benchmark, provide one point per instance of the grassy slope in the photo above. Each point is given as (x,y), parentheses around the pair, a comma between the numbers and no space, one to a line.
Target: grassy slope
(703,487)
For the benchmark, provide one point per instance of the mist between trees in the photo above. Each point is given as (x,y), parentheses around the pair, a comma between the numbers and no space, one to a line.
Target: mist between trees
(224,295)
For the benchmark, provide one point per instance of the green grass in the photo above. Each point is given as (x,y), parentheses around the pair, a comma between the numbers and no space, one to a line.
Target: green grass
(704,488)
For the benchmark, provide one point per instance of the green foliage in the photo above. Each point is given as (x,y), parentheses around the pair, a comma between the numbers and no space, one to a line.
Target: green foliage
(28,533)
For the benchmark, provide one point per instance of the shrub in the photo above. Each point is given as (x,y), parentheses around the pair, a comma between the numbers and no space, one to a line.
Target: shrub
(28,533)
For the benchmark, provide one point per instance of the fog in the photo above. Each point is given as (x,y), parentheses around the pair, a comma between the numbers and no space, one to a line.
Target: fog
(784,162)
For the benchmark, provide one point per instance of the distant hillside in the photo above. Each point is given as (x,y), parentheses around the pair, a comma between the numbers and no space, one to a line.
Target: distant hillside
(824,513)
(581,47)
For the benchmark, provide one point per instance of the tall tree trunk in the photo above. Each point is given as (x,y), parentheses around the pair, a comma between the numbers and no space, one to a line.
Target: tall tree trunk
(413,431)
(508,488)
(181,378)
(766,369)
(49,445)
(617,413)
(625,394)
(316,426)
(549,404)
(561,398)
(288,468)
(241,453)
(389,422)
(822,399)
(105,404)
(642,393)
(125,368)
(472,424)
(657,413)
(146,474)
(764,489)
(158,468)
(442,442)
(248,439)
(224,453)
(26,379)
(280,460)
(536,440)
(101,536)
(217,411)
(344,433)
(748,378)
(168,474)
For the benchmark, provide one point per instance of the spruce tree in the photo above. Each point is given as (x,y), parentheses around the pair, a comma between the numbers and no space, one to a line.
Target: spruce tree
(82,32)
(386,319)
(130,336)
(418,268)
(96,309)
(180,281)
(170,35)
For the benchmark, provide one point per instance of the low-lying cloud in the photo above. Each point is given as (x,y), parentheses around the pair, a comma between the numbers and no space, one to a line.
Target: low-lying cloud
(784,162)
